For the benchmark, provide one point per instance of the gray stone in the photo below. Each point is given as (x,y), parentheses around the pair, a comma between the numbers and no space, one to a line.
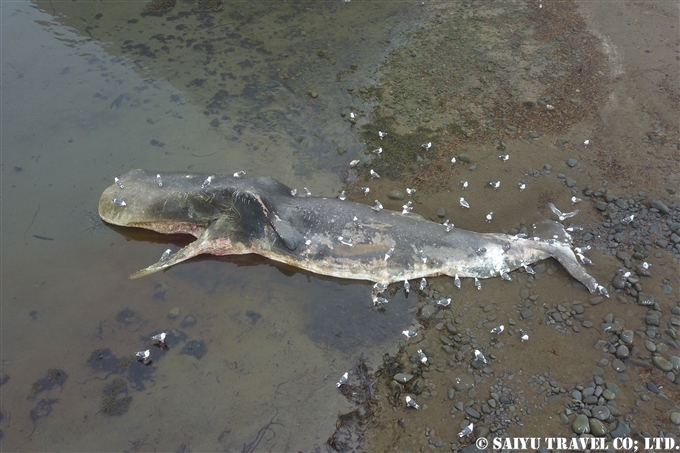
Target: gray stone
(575,394)
(428,311)
(601,205)
(572,162)
(658,204)
(464,158)
(621,430)
(403,378)
(601,412)
(581,425)
(597,428)
(174,313)
(526,314)
(472,412)
(675,418)
(627,336)
(652,320)
(675,360)
(463,382)
(618,365)
(662,363)
(395,195)
(441,213)
(417,386)
(622,351)
(608,395)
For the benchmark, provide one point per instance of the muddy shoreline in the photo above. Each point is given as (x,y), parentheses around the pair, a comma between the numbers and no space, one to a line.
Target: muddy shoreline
(586,107)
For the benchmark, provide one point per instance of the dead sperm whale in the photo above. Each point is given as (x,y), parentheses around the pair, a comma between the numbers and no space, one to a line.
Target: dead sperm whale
(237,214)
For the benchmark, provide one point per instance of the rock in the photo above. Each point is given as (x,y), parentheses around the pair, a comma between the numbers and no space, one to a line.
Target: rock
(441,213)
(627,336)
(645,298)
(463,382)
(581,425)
(597,428)
(464,157)
(608,395)
(418,386)
(174,313)
(622,351)
(601,412)
(652,320)
(395,195)
(658,204)
(675,360)
(472,412)
(621,430)
(662,363)
(618,282)
(427,311)
(188,321)
(618,365)
(403,378)
(572,162)
(675,418)
(526,314)
(575,394)
(601,205)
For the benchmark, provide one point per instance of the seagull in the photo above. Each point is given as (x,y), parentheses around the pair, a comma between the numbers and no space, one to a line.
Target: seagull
(453,160)
(423,284)
(118,183)
(159,181)
(498,330)
(422,356)
(407,286)
(456,281)
(342,196)
(467,431)
(354,163)
(464,184)
(523,335)
(160,337)
(495,184)
(522,186)
(382,134)
(504,157)
(343,379)
(464,203)
(377,150)
(575,200)
(562,215)
(444,302)
(345,241)
(366,190)
(489,217)
(410,402)
(479,356)
(378,206)
(422,255)
(293,192)
(207,182)
(389,253)
(379,301)
(505,276)
(307,192)
(478,284)
(120,202)
(409,333)
(238,174)
(410,191)
(427,145)
(165,255)
(374,174)
(143,356)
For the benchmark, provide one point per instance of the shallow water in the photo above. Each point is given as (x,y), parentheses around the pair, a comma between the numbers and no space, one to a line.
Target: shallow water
(80,105)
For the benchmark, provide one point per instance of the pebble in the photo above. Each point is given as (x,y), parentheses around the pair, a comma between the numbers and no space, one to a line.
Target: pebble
(627,336)
(618,365)
(403,378)
(675,361)
(581,425)
(395,195)
(188,321)
(572,162)
(463,382)
(441,213)
(174,313)
(464,158)
(621,430)
(526,314)
(658,204)
(601,412)
(662,363)
(597,428)
(675,418)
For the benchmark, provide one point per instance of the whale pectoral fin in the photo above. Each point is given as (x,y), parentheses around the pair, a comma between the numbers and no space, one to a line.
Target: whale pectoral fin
(215,240)
(289,235)
(182,254)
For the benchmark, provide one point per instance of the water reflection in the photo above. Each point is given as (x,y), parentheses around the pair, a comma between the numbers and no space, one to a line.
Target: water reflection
(81,106)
